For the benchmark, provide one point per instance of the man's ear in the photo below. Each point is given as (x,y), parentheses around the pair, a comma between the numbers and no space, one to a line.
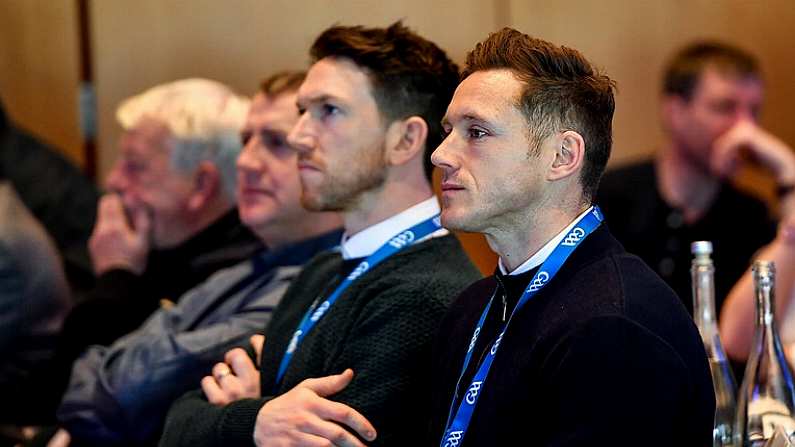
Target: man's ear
(405,139)
(206,184)
(569,155)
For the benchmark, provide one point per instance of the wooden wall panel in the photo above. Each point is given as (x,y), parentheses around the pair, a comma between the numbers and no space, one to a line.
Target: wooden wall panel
(39,69)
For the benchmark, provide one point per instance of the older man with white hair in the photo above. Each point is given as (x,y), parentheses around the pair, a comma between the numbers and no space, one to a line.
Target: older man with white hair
(167,222)
(172,190)
(169,218)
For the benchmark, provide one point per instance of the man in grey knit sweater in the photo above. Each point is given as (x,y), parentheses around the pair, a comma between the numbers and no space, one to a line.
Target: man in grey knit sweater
(345,351)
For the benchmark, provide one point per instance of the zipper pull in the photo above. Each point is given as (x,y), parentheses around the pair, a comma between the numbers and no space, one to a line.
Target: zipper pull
(504,307)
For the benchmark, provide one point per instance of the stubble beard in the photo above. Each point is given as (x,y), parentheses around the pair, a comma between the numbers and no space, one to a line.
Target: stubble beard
(484,214)
(467,222)
(465,216)
(697,156)
(342,191)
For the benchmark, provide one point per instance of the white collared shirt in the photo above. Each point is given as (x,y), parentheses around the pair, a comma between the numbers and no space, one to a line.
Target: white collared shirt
(367,241)
(541,255)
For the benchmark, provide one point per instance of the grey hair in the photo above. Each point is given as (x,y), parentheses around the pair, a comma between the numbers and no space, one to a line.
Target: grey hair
(204,117)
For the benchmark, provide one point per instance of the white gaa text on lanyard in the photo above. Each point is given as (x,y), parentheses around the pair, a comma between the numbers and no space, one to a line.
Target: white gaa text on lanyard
(454,431)
(394,245)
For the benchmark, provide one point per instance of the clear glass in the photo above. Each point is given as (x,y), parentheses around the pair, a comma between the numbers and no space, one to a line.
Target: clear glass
(767,397)
(702,272)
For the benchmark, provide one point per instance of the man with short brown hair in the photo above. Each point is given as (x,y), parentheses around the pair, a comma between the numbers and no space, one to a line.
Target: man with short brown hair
(572,341)
(712,95)
(347,346)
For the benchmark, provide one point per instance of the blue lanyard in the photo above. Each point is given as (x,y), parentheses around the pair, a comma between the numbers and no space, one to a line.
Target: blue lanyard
(455,430)
(394,245)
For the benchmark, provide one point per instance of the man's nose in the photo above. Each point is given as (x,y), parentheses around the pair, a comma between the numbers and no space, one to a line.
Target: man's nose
(116,181)
(441,156)
(301,137)
(249,159)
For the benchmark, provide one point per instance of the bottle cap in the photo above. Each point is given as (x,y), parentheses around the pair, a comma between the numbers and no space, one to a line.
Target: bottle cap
(764,268)
(701,248)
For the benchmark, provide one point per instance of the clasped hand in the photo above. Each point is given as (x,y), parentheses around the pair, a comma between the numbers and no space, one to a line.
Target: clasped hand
(768,150)
(119,242)
(302,416)
(237,377)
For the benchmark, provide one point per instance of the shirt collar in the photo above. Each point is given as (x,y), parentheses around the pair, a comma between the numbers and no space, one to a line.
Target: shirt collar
(297,253)
(367,241)
(541,255)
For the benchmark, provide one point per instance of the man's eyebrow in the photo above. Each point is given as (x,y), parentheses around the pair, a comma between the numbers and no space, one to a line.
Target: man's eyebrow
(273,131)
(315,99)
(468,116)
(271,128)
(473,117)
